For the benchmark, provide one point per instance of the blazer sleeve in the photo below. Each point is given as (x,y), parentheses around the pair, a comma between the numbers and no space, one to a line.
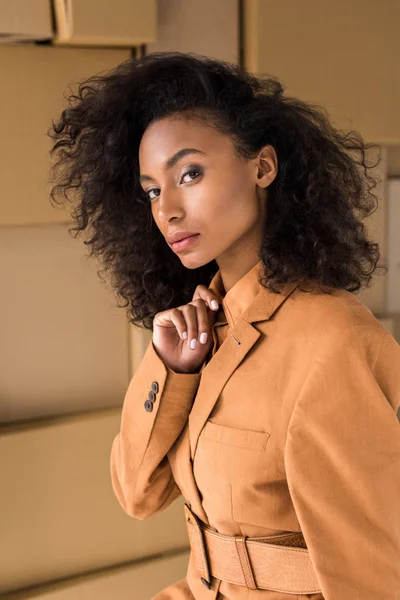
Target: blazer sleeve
(342,461)
(141,475)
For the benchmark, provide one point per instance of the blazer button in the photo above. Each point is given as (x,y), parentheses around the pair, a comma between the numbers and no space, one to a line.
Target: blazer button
(154,387)
(206,583)
(148,406)
(152,396)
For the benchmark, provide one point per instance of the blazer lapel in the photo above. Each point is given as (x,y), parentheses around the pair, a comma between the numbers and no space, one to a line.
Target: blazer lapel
(239,341)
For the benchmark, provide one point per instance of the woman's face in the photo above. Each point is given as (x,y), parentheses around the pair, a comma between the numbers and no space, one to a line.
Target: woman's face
(211,192)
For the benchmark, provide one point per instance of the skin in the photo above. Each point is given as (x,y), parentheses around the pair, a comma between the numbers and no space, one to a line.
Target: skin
(223,199)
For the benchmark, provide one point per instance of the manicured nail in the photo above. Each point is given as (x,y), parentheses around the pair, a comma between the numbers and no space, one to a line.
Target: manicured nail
(203,338)
(184,335)
(214,304)
(193,343)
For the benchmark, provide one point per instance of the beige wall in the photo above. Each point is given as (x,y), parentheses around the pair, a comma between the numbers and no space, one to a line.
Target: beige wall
(65,346)
(393,160)
(343,55)
(62,517)
(34,81)
(206,27)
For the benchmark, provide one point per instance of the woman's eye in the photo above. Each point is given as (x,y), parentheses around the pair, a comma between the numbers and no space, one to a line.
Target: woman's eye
(189,172)
(148,194)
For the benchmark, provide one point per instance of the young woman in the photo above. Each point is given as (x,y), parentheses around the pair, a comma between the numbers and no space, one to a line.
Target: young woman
(272,412)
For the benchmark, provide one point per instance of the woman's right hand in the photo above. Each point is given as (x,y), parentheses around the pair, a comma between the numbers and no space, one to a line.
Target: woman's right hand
(196,319)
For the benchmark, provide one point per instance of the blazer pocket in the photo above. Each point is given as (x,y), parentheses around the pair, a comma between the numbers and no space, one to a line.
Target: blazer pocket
(231,436)
(232,469)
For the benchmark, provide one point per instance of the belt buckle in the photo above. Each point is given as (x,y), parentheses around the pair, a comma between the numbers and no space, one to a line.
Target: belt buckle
(194,519)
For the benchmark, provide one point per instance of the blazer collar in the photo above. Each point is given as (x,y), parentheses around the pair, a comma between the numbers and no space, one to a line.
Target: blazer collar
(248,299)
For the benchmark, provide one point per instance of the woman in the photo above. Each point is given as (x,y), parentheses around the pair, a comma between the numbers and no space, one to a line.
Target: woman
(274,412)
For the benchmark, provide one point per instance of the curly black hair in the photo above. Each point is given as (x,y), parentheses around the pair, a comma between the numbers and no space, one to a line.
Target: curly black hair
(312,230)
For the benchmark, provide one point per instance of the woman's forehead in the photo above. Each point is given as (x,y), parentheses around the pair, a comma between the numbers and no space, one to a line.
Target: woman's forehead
(163,139)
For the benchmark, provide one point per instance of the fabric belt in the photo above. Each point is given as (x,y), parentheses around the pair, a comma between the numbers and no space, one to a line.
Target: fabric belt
(279,563)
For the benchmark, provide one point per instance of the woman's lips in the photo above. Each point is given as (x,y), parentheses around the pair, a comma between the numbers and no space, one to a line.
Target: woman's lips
(185,243)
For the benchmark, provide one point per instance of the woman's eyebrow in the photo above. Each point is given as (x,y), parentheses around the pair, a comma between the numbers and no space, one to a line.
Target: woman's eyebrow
(171,162)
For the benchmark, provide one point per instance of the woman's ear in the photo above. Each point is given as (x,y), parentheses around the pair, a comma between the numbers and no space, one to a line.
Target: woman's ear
(266,166)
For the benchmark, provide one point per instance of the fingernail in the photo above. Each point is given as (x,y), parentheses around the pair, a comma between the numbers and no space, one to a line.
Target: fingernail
(214,304)
(193,343)
(203,338)
(184,335)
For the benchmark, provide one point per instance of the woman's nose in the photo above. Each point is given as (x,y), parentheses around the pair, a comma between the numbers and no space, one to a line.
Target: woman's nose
(169,205)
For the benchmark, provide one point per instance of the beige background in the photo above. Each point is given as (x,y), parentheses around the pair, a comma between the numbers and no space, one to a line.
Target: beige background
(68,353)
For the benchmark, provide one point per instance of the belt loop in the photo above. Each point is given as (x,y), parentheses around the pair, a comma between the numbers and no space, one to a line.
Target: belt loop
(244,559)
(203,551)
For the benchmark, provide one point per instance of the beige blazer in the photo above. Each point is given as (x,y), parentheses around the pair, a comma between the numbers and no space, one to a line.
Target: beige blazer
(291,426)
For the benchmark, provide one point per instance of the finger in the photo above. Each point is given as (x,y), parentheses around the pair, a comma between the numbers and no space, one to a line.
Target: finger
(203,322)
(178,320)
(190,313)
(202,291)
